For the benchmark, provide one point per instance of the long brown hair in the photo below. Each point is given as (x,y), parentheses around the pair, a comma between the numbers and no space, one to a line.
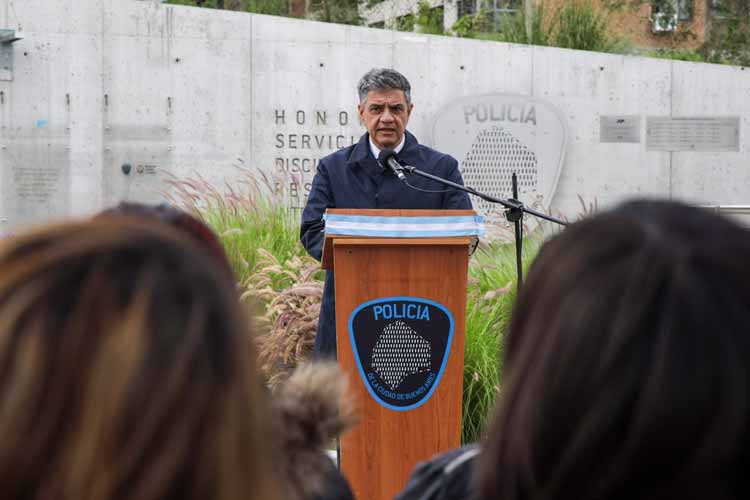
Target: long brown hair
(627,363)
(126,370)
(184,222)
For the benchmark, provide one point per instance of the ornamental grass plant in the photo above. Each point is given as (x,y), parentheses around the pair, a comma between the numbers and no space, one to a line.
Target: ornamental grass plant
(276,277)
(261,236)
(291,293)
(491,295)
(249,215)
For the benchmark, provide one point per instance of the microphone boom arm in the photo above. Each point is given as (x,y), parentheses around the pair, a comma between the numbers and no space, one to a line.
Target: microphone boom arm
(514,210)
(510,204)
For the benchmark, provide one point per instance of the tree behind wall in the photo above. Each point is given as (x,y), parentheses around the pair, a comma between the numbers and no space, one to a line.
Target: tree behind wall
(729,36)
(573,24)
(334,11)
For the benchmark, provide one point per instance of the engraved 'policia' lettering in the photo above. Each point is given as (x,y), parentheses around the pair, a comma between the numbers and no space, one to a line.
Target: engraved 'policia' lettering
(518,113)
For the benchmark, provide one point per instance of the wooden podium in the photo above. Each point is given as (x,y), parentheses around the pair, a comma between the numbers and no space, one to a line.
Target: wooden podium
(404,276)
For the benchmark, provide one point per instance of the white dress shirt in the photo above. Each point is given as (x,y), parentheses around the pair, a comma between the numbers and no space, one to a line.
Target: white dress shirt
(376,150)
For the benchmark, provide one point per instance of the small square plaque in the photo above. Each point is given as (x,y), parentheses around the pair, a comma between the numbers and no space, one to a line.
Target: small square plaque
(624,128)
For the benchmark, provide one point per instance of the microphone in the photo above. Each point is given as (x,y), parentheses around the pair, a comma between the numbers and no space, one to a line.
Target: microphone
(387,158)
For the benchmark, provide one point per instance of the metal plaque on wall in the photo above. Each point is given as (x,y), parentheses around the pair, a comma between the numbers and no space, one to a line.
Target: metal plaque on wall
(693,133)
(493,136)
(620,129)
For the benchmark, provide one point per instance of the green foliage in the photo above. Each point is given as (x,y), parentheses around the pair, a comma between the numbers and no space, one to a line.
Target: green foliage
(513,28)
(261,236)
(193,3)
(246,218)
(676,54)
(729,39)
(575,24)
(473,25)
(291,292)
(426,20)
(491,296)
(728,35)
(667,8)
(334,11)
(244,233)
(270,7)
(477,26)
(580,25)
(464,27)
(406,23)
(429,20)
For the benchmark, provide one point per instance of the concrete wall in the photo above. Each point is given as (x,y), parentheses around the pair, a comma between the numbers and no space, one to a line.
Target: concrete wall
(102,84)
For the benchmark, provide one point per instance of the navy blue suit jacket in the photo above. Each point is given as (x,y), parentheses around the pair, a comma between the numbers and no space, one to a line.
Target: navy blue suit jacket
(352,178)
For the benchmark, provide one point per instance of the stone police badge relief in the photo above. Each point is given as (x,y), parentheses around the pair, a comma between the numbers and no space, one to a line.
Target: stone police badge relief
(401,345)
(493,136)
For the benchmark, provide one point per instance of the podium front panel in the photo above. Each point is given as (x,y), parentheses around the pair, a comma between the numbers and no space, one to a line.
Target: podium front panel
(395,300)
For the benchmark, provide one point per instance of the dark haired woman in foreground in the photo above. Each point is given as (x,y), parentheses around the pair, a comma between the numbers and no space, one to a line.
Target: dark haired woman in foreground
(126,371)
(178,219)
(307,412)
(627,371)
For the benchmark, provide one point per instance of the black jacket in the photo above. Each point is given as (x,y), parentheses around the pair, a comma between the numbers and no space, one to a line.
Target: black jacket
(352,178)
(449,476)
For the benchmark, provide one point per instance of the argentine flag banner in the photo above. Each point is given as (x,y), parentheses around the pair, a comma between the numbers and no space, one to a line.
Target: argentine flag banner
(404,227)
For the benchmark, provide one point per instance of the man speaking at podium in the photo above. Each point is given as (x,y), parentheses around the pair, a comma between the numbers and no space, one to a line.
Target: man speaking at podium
(353,178)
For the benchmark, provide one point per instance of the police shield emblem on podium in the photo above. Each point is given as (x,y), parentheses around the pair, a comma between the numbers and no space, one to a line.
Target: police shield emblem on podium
(401,345)
(493,136)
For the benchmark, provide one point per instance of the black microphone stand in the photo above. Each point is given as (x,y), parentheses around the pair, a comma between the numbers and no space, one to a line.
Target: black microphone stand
(516,217)
(514,210)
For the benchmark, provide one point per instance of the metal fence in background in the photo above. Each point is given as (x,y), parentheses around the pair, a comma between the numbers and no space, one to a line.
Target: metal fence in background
(740,213)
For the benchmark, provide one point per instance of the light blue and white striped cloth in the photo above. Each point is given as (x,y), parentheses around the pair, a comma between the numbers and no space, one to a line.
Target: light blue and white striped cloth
(404,227)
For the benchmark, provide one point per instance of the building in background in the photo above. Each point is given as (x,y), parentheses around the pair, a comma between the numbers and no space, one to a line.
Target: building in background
(646,24)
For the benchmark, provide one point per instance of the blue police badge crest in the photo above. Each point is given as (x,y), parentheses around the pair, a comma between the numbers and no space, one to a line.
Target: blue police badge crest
(401,345)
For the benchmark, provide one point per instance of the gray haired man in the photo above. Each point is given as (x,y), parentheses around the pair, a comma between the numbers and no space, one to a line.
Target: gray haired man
(385,107)
(352,177)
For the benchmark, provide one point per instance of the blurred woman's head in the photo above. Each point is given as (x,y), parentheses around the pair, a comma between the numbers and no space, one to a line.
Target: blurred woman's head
(126,369)
(627,362)
(180,220)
